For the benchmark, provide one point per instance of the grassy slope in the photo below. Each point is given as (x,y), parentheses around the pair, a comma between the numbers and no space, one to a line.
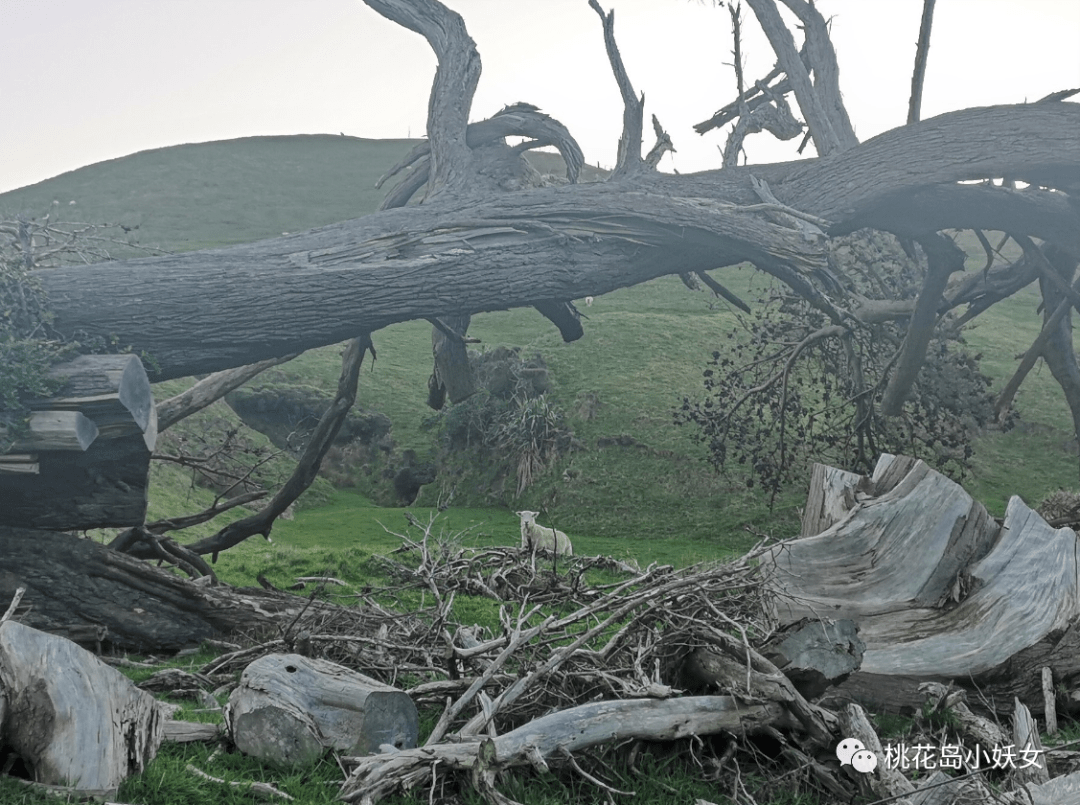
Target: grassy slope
(644,348)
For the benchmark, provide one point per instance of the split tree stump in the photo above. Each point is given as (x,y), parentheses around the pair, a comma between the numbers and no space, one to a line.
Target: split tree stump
(940,591)
(72,719)
(289,709)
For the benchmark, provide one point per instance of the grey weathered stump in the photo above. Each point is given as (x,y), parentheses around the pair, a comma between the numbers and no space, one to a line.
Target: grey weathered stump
(71,718)
(289,709)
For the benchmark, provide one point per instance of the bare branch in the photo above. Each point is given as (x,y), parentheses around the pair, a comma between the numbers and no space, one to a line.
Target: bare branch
(455,83)
(516,120)
(921,52)
(822,59)
(721,291)
(629,158)
(209,390)
(663,145)
(826,139)
(564,316)
(308,465)
(943,258)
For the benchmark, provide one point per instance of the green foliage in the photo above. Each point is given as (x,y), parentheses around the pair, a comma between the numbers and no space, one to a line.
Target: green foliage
(773,419)
(510,424)
(25,351)
(788,389)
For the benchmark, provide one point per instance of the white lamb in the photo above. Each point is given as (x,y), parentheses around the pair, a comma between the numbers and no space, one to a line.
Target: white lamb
(535,536)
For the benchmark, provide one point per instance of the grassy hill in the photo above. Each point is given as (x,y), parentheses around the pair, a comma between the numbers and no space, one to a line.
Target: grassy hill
(634,486)
(635,480)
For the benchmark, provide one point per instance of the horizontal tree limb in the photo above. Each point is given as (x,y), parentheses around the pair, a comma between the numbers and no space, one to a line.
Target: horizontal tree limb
(572,730)
(476,254)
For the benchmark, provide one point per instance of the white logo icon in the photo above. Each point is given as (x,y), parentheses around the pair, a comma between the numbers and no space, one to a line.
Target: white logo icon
(850,751)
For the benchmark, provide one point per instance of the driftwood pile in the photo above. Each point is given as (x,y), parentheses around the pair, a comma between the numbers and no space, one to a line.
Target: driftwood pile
(902,592)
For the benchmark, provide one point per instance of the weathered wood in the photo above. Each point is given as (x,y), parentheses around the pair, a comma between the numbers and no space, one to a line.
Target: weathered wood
(112,390)
(19,464)
(82,590)
(1026,739)
(1049,701)
(104,486)
(938,589)
(70,717)
(816,654)
(58,430)
(1064,790)
(883,782)
(831,497)
(975,729)
(92,443)
(324,286)
(290,709)
(189,732)
(572,730)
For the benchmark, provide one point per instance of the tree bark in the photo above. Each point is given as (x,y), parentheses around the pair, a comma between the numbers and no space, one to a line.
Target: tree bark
(72,719)
(289,710)
(476,254)
(100,598)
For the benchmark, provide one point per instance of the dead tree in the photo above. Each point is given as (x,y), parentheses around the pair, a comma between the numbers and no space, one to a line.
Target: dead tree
(485,237)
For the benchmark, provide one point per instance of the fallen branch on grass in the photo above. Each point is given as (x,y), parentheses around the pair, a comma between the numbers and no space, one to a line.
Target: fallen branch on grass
(265,789)
(571,730)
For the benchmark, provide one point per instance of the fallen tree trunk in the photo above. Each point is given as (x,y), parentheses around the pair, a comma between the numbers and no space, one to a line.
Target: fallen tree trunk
(102,598)
(462,255)
(939,590)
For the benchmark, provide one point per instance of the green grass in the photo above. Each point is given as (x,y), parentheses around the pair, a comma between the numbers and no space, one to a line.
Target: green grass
(644,349)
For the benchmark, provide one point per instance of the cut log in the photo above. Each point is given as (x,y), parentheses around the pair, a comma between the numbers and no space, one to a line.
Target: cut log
(939,590)
(58,430)
(70,717)
(190,732)
(19,464)
(112,390)
(103,487)
(290,709)
(93,442)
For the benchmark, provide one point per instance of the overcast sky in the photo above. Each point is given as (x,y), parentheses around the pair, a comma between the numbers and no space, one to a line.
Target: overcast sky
(83,81)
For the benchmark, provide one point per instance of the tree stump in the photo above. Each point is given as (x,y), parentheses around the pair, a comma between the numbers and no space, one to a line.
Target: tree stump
(939,590)
(289,710)
(71,718)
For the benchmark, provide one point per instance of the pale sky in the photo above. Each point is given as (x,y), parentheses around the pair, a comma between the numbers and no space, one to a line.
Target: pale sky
(83,81)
